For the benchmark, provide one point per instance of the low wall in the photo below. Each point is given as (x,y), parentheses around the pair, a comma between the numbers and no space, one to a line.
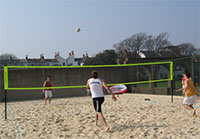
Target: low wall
(23,78)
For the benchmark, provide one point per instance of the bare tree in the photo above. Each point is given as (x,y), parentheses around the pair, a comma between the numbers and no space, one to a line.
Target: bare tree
(138,41)
(8,59)
(161,41)
(149,43)
(187,49)
(7,56)
(132,45)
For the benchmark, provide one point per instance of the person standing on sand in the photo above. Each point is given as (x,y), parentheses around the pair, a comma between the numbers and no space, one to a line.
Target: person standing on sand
(48,92)
(183,79)
(189,93)
(95,85)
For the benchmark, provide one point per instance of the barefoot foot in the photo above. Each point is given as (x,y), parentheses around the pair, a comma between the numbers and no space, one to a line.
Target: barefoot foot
(107,129)
(194,113)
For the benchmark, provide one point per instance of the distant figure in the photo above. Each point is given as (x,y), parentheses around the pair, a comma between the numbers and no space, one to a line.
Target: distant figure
(48,92)
(189,93)
(95,85)
(183,79)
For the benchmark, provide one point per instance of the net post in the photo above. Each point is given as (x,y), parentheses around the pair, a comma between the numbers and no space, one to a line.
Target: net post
(5,99)
(5,77)
(172,90)
(172,81)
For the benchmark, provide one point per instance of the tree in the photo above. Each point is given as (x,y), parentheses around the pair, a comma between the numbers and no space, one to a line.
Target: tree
(139,42)
(8,59)
(149,43)
(132,45)
(187,49)
(107,57)
(8,56)
(161,41)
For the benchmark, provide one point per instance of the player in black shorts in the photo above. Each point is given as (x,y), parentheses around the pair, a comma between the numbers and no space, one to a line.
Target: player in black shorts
(97,103)
(95,85)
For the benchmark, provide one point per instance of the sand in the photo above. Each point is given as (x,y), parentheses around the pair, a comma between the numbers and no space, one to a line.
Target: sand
(129,117)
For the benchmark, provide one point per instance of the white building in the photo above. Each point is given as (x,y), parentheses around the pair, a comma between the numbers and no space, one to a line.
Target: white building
(56,61)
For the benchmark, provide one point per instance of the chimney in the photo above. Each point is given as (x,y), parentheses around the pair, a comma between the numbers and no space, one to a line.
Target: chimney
(86,55)
(72,53)
(42,56)
(26,57)
(56,55)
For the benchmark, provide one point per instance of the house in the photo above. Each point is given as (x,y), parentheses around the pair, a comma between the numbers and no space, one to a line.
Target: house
(72,61)
(56,61)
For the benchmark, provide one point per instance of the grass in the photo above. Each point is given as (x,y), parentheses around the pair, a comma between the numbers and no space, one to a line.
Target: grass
(177,84)
(158,84)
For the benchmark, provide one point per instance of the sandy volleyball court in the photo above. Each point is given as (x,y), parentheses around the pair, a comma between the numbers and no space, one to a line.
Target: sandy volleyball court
(73,118)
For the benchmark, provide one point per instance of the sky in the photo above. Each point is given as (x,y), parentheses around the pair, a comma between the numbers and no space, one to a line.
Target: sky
(32,27)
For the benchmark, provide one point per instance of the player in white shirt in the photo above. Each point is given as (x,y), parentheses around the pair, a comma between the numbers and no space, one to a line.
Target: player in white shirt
(95,85)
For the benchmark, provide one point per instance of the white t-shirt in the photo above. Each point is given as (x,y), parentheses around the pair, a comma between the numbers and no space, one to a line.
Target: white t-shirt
(96,87)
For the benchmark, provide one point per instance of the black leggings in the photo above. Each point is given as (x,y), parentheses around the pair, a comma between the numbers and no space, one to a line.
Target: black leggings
(97,103)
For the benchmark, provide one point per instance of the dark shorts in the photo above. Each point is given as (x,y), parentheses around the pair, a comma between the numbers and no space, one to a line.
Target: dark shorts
(97,103)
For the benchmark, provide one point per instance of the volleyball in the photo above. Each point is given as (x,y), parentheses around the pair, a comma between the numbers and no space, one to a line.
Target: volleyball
(78,29)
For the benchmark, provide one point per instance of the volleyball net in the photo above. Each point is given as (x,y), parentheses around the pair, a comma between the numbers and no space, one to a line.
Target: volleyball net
(32,77)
